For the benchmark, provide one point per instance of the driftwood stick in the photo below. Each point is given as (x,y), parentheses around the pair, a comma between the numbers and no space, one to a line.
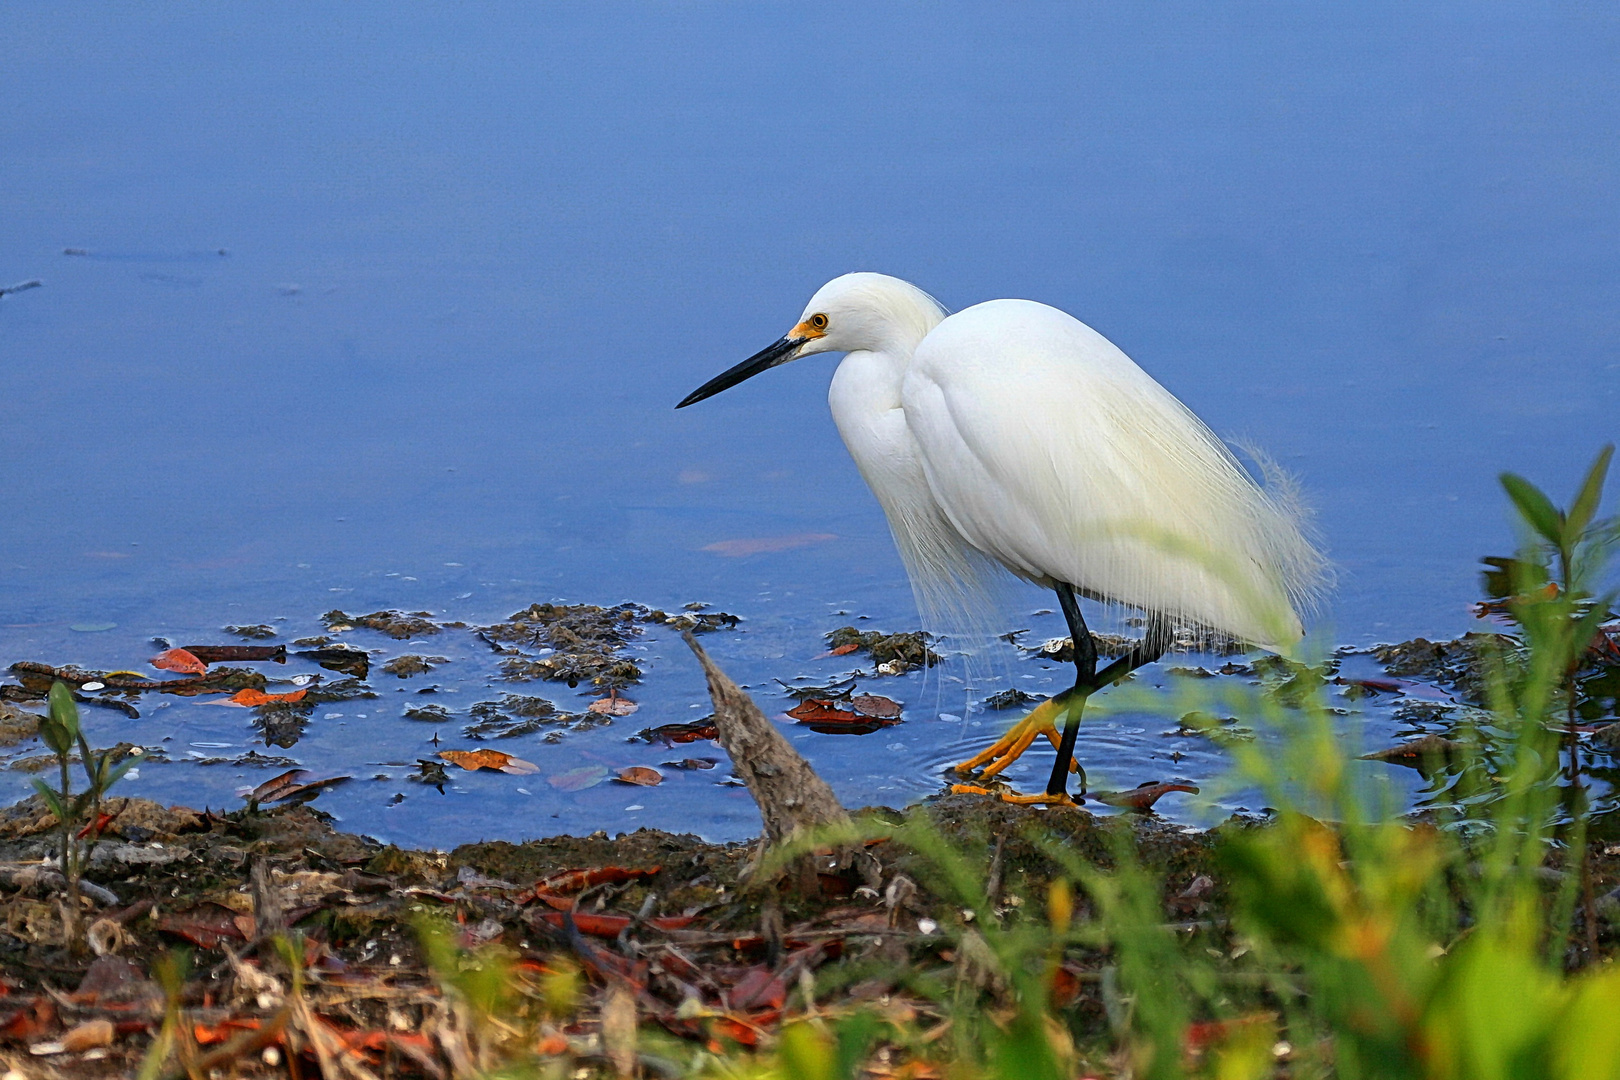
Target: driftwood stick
(791,797)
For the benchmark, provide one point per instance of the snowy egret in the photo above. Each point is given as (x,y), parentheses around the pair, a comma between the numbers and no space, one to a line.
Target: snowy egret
(1011,434)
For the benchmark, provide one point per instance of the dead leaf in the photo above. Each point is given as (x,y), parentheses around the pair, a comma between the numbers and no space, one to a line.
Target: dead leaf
(498,760)
(879,708)
(1141,797)
(759,988)
(579,779)
(692,763)
(568,881)
(180,660)
(828,719)
(669,734)
(759,545)
(88,1036)
(205,925)
(845,650)
(610,926)
(290,785)
(613,705)
(252,698)
(641,776)
(1419,753)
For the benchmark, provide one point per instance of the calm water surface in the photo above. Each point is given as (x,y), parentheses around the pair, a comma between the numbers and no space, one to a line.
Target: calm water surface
(386,308)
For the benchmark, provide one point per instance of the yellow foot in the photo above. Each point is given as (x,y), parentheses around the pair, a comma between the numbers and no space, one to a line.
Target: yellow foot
(1013,797)
(1037,800)
(1011,746)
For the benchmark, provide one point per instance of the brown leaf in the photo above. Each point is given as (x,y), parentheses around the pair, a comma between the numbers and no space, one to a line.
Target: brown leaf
(815,710)
(759,988)
(290,785)
(879,708)
(179,660)
(568,881)
(1419,753)
(669,734)
(498,760)
(692,763)
(88,1036)
(613,705)
(845,650)
(205,925)
(829,719)
(640,775)
(1141,797)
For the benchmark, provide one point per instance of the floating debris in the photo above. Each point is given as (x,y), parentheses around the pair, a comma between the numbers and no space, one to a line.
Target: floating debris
(410,664)
(396,624)
(1010,698)
(573,644)
(260,630)
(345,658)
(893,653)
(226,654)
(512,715)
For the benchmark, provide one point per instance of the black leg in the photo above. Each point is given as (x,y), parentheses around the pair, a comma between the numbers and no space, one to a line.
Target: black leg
(1088,680)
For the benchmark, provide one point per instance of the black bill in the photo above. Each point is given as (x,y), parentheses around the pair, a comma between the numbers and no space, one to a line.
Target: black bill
(778,353)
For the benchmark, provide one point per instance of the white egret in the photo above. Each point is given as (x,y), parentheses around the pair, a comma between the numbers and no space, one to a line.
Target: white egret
(1012,434)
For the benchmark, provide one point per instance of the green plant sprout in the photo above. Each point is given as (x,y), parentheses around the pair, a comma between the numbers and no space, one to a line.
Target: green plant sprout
(79,815)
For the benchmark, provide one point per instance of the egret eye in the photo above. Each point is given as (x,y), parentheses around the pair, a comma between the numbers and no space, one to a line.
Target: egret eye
(819,322)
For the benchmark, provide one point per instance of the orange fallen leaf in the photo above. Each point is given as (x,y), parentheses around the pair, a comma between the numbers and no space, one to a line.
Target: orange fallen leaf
(613,705)
(640,775)
(250,697)
(498,760)
(844,650)
(180,660)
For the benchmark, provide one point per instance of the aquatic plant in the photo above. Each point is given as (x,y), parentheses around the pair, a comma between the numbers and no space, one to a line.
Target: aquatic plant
(80,815)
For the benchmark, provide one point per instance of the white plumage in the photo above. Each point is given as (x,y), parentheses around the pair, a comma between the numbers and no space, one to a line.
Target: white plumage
(1012,434)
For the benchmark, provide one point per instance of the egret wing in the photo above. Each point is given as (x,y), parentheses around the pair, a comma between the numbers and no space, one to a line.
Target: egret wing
(1053,453)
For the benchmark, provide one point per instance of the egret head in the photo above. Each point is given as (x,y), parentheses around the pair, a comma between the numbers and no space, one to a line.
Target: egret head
(851,313)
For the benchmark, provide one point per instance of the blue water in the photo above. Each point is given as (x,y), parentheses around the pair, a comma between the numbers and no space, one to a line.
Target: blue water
(388,307)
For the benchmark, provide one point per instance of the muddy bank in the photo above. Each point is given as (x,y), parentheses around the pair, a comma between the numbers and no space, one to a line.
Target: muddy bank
(715,957)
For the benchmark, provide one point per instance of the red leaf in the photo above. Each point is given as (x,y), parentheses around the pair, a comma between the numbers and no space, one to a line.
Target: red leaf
(179,660)
(844,650)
